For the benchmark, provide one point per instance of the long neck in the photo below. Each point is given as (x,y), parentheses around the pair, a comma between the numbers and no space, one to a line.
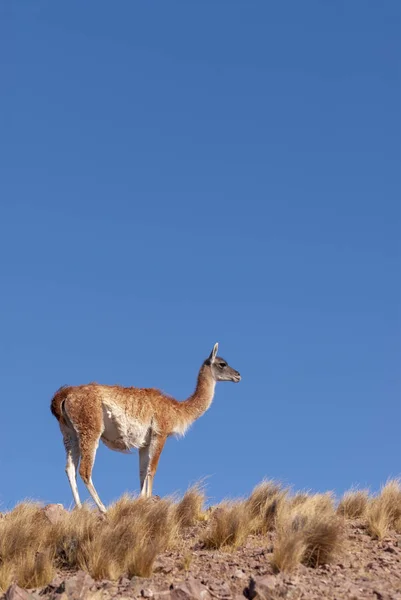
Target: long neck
(201,399)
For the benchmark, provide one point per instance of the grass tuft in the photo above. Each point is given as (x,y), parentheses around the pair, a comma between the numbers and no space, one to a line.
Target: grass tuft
(229,526)
(190,508)
(384,511)
(353,504)
(308,532)
(7,575)
(263,505)
(35,571)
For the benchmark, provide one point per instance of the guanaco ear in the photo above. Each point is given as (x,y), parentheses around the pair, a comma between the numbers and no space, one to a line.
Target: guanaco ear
(213,353)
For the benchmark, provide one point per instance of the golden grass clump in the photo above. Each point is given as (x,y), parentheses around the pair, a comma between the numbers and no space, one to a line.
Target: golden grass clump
(134,532)
(353,504)
(308,532)
(139,562)
(263,504)
(299,498)
(289,548)
(70,536)
(190,508)
(7,575)
(319,504)
(229,526)
(125,541)
(384,511)
(25,555)
(35,570)
(20,531)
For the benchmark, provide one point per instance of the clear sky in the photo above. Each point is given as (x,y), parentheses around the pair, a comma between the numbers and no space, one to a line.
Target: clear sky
(174,174)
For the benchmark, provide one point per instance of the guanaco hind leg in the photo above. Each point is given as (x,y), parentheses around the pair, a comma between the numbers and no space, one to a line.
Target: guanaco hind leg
(86,420)
(88,454)
(73,455)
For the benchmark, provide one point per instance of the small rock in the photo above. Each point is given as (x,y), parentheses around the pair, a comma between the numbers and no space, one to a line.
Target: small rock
(59,596)
(97,595)
(54,513)
(165,595)
(162,566)
(190,590)
(147,593)
(108,586)
(57,582)
(263,588)
(136,585)
(239,574)
(220,590)
(77,587)
(14,592)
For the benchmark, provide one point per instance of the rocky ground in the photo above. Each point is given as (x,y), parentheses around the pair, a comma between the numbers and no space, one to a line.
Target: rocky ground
(367,570)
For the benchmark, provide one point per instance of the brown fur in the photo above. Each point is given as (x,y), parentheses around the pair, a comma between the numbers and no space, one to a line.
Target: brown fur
(57,401)
(83,404)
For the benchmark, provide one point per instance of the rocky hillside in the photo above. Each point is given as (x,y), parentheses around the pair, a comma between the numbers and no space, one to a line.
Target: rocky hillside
(272,545)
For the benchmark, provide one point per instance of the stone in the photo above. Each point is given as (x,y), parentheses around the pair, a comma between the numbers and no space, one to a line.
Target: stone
(15,592)
(162,565)
(263,588)
(54,513)
(165,595)
(78,586)
(57,582)
(239,574)
(220,590)
(190,590)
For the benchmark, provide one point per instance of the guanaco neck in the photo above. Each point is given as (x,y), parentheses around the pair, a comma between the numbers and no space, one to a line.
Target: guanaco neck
(201,399)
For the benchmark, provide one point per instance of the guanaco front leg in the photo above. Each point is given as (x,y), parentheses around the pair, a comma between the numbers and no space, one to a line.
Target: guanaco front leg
(144,458)
(148,460)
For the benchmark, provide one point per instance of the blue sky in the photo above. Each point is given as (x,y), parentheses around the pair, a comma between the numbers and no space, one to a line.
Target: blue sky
(174,174)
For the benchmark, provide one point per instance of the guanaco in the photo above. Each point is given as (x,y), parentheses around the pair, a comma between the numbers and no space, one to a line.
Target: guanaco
(125,418)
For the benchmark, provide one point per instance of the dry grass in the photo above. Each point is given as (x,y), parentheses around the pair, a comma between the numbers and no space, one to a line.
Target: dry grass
(127,541)
(186,561)
(35,570)
(190,509)
(353,504)
(306,529)
(25,555)
(229,526)
(299,498)
(308,532)
(7,575)
(263,505)
(384,511)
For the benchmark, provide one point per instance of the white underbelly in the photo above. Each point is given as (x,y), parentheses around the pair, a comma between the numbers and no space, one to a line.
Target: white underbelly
(121,432)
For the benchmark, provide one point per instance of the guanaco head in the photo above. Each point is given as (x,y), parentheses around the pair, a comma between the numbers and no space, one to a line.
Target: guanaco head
(221,371)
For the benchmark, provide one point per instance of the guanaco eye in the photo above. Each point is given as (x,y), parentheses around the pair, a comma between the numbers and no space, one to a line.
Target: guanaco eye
(222,365)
